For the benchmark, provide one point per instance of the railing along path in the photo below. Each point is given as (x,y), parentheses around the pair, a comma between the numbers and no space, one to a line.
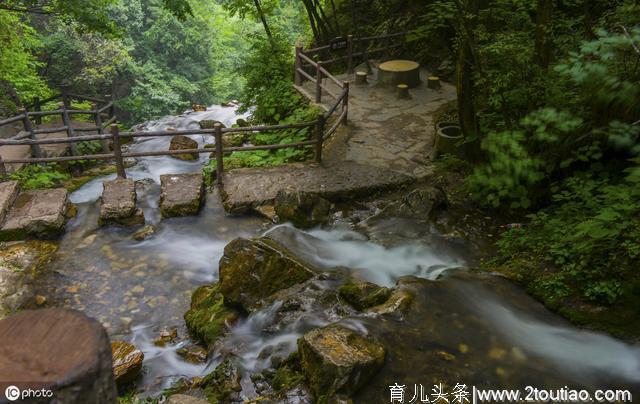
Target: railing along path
(325,125)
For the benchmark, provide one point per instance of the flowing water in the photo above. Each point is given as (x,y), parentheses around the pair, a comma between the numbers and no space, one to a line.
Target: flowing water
(466,327)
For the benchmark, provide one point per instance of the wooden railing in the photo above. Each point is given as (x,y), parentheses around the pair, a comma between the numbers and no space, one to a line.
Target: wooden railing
(323,127)
(102,111)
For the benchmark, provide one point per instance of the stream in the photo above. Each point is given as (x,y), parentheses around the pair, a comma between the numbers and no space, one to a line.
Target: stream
(467,327)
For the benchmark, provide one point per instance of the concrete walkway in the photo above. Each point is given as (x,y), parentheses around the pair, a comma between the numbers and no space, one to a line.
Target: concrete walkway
(386,143)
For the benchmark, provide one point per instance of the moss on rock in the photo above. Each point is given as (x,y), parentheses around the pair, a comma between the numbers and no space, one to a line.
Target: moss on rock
(208,317)
(362,295)
(253,270)
(337,360)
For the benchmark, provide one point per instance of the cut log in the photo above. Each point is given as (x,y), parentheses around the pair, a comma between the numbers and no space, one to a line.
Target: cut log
(403,92)
(396,72)
(361,78)
(433,82)
(59,350)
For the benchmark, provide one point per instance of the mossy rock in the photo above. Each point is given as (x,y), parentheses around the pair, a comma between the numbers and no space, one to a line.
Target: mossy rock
(223,384)
(362,295)
(208,317)
(251,271)
(209,124)
(338,361)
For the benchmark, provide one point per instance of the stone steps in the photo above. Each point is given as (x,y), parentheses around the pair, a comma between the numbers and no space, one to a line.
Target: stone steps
(37,213)
(180,195)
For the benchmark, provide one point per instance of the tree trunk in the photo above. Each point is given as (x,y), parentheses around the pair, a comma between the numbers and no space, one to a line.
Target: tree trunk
(263,19)
(544,15)
(465,91)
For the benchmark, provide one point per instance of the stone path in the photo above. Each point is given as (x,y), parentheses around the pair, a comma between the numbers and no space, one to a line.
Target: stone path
(387,142)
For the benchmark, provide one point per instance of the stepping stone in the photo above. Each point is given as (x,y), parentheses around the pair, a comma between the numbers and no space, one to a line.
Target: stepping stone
(118,204)
(59,350)
(181,194)
(36,213)
(8,193)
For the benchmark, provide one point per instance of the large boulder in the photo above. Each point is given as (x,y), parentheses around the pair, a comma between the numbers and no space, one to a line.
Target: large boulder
(20,265)
(253,270)
(127,362)
(8,193)
(59,350)
(181,142)
(118,204)
(302,209)
(208,318)
(338,361)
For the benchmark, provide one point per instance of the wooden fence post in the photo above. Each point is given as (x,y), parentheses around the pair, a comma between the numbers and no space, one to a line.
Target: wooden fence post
(117,151)
(112,110)
(37,107)
(298,65)
(3,169)
(319,137)
(318,83)
(350,54)
(98,120)
(345,102)
(65,97)
(217,127)
(66,121)
(35,149)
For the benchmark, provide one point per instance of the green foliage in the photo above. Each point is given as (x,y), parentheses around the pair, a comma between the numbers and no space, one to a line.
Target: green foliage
(39,176)
(589,235)
(267,71)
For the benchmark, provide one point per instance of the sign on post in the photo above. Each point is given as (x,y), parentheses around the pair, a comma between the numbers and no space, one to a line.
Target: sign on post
(339,43)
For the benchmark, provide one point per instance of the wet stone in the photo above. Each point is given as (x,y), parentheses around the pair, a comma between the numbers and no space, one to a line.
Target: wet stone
(185,399)
(20,266)
(181,142)
(251,271)
(144,233)
(181,194)
(302,209)
(37,213)
(362,295)
(337,360)
(118,204)
(127,362)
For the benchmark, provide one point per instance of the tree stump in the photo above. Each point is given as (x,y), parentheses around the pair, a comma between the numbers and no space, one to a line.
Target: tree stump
(396,72)
(433,82)
(447,142)
(59,350)
(403,92)
(361,78)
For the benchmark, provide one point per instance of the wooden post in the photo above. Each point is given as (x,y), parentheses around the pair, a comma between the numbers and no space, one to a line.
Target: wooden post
(3,169)
(65,97)
(345,103)
(319,137)
(112,110)
(66,121)
(298,65)
(217,127)
(318,83)
(37,108)
(98,120)
(117,151)
(35,149)
(350,54)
